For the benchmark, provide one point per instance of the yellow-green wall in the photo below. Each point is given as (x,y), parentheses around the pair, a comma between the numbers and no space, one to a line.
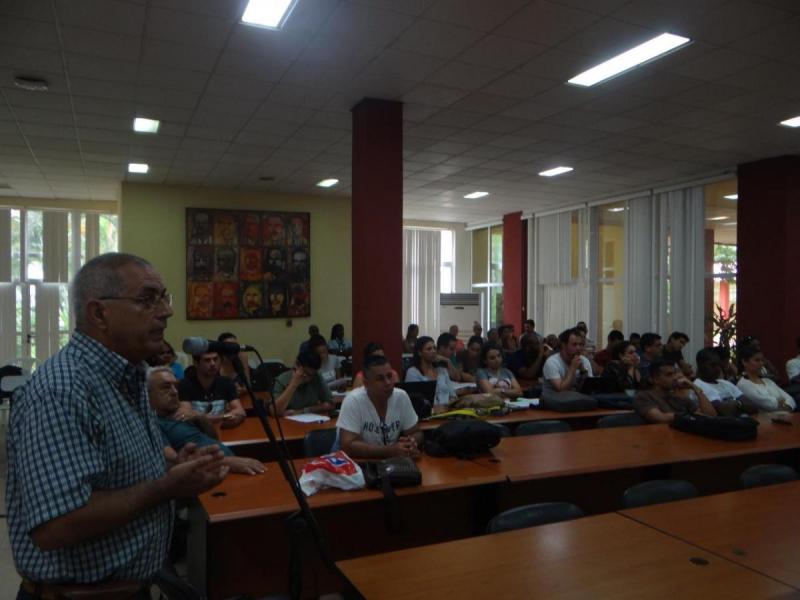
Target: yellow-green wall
(152,225)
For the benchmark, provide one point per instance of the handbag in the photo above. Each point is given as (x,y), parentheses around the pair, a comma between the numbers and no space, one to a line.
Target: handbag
(399,471)
(732,429)
(463,438)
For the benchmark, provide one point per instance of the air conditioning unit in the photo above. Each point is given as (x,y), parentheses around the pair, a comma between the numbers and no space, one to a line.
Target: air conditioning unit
(460,309)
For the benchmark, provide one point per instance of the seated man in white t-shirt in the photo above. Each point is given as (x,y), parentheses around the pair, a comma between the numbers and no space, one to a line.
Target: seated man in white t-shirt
(725,397)
(378,420)
(564,371)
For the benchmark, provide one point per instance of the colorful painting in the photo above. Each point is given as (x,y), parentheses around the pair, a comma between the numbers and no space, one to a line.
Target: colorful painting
(247,264)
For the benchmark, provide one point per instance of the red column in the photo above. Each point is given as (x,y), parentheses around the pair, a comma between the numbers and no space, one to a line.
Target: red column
(377,224)
(513,270)
(768,285)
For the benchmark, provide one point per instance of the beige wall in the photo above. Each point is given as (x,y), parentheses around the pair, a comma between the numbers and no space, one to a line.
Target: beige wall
(152,225)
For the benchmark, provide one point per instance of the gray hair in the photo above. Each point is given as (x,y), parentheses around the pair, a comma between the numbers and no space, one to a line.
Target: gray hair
(98,278)
(153,370)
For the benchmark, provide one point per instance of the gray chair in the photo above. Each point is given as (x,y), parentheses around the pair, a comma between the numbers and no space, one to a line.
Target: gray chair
(759,475)
(657,492)
(532,515)
(504,431)
(319,442)
(626,420)
(537,427)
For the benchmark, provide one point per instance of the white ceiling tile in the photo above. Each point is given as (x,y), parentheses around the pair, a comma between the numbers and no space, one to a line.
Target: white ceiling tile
(475,14)
(437,39)
(32,34)
(190,28)
(38,10)
(114,16)
(92,67)
(101,89)
(501,52)
(461,75)
(546,23)
(173,78)
(112,46)
(181,56)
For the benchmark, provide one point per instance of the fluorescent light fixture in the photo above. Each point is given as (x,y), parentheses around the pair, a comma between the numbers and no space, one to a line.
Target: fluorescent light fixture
(731,197)
(268,13)
(616,209)
(475,195)
(143,125)
(326,183)
(629,59)
(720,218)
(793,122)
(731,224)
(555,171)
(138,167)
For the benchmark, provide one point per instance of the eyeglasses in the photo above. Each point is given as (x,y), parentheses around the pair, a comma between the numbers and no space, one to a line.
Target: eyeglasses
(149,302)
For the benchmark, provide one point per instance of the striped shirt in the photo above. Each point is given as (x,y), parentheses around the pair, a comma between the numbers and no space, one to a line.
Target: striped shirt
(83,423)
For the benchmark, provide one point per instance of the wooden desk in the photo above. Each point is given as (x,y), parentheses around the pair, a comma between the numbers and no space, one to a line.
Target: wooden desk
(593,557)
(758,528)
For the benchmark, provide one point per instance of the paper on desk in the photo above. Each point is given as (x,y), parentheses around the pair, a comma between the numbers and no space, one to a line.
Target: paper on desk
(461,386)
(522,403)
(308,418)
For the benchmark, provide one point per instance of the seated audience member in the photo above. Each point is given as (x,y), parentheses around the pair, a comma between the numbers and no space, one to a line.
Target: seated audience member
(302,389)
(793,366)
(328,363)
(673,352)
(412,333)
(337,344)
(427,363)
(378,420)
(527,362)
(493,336)
(590,345)
(726,398)
(469,359)
(565,370)
(603,357)
(508,340)
(763,392)
(370,350)
(167,358)
(529,328)
(636,339)
(459,342)
(729,370)
(650,350)
(477,331)
(312,331)
(768,370)
(446,348)
(623,368)
(670,394)
(493,377)
(203,390)
(552,343)
(181,428)
(226,366)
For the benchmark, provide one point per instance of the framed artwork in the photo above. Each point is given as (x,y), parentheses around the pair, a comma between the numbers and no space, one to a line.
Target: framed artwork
(244,264)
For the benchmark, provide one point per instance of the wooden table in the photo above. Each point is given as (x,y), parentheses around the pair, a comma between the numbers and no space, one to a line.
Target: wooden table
(593,557)
(758,528)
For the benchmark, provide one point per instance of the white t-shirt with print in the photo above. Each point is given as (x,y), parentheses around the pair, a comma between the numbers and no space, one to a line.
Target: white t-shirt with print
(556,368)
(358,415)
(721,390)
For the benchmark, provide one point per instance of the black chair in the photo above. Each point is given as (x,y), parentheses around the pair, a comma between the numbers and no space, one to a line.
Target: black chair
(504,431)
(319,442)
(759,475)
(658,491)
(626,420)
(532,515)
(537,427)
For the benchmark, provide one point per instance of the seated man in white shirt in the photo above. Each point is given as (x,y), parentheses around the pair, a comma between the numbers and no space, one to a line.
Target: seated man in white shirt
(565,370)
(378,420)
(793,366)
(725,397)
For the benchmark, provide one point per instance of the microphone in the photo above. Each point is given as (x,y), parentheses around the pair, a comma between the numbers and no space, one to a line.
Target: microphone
(197,345)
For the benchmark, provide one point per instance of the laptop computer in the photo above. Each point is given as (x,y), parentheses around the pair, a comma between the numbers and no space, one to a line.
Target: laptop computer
(422,394)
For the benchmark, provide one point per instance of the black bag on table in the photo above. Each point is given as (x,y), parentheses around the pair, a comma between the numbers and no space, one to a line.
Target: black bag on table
(731,429)
(399,471)
(464,439)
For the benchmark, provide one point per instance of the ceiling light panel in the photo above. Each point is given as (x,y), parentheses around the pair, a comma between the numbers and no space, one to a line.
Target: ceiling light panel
(144,125)
(649,50)
(138,168)
(476,195)
(555,171)
(731,197)
(271,14)
(326,183)
(793,122)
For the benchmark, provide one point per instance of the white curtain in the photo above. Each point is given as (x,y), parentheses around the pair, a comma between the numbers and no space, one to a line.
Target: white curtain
(421,266)
(563,306)
(48,303)
(55,232)
(92,235)
(8,325)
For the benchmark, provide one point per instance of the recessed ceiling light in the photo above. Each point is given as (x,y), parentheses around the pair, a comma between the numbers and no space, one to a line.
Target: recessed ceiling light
(326,183)
(731,224)
(616,209)
(720,218)
(555,171)
(31,84)
(138,167)
(629,59)
(143,125)
(731,197)
(268,13)
(475,195)
(793,122)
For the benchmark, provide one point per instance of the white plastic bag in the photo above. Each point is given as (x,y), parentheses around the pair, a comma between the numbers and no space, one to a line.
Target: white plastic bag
(335,470)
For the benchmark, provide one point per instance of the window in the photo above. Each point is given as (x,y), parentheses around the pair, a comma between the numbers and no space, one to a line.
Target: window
(487,273)
(46,248)
(447,276)
(610,284)
(720,257)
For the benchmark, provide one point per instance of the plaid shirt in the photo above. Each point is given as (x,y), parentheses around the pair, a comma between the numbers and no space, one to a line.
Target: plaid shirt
(83,423)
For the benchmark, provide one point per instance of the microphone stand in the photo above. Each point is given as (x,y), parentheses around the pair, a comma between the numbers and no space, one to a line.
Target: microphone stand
(303,520)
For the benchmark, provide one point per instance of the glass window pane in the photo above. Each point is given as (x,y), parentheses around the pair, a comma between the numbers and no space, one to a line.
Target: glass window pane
(496,306)
(19,315)
(480,256)
(16,246)
(63,308)
(496,268)
(108,233)
(33,240)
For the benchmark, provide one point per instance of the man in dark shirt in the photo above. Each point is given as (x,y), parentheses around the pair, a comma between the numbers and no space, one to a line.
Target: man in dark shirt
(673,352)
(650,345)
(671,394)
(204,391)
(604,357)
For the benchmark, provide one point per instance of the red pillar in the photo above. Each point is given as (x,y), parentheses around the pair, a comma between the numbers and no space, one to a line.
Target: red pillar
(513,270)
(377,227)
(768,285)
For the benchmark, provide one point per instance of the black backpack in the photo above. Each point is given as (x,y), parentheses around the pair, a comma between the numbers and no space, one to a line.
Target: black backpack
(464,438)
(731,429)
